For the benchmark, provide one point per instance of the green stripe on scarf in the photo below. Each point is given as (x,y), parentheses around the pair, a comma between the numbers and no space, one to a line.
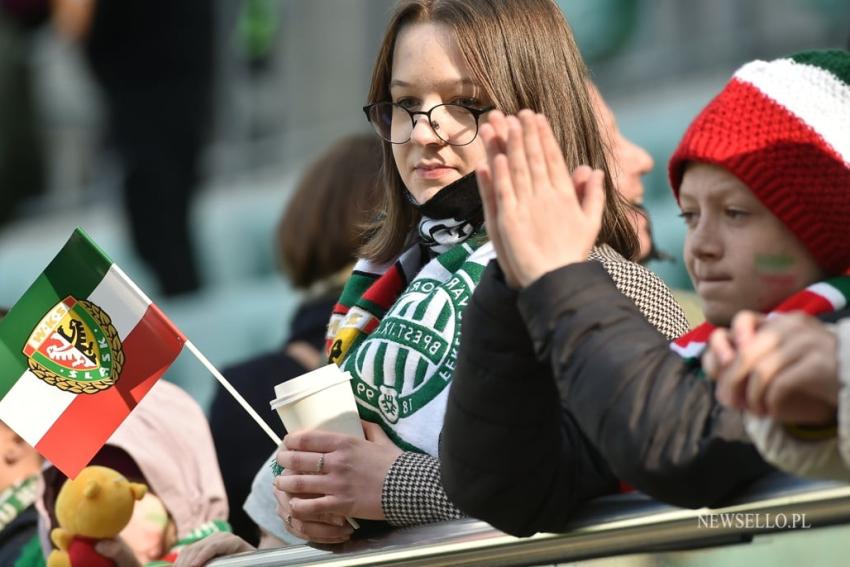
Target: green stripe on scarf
(403,360)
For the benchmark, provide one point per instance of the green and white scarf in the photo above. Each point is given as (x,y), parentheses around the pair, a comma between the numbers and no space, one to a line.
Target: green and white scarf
(16,499)
(396,330)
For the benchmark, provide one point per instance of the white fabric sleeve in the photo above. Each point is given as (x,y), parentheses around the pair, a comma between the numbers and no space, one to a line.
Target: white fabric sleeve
(814,459)
(261,505)
(842,331)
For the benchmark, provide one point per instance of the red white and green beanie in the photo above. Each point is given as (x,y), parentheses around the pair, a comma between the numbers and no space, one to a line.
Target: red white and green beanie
(783,128)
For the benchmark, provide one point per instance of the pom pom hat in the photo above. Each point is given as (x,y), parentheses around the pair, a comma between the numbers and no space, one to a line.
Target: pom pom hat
(783,128)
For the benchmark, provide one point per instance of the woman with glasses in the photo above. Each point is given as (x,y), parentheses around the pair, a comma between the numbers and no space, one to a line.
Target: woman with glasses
(442,66)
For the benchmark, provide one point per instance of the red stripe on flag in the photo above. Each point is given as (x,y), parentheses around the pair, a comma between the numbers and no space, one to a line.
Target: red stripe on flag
(86,424)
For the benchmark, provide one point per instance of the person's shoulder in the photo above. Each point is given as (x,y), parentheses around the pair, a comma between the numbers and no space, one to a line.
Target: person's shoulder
(624,271)
(275,365)
(255,379)
(648,291)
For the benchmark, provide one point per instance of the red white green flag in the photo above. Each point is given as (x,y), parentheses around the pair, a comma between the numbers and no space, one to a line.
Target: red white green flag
(78,351)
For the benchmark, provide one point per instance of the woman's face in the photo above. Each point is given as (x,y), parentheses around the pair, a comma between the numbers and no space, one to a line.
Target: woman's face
(428,70)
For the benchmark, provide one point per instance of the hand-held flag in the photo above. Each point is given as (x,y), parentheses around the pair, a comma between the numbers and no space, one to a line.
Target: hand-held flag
(77,352)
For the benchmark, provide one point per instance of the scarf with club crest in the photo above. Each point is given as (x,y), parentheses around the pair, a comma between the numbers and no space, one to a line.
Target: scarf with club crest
(16,499)
(821,297)
(396,330)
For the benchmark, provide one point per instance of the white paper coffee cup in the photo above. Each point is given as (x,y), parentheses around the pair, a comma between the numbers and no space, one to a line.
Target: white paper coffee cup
(321,399)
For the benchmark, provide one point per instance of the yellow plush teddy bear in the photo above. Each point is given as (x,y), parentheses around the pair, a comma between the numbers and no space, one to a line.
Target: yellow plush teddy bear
(96,505)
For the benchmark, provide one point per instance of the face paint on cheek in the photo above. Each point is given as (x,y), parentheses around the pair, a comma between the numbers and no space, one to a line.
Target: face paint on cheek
(776,269)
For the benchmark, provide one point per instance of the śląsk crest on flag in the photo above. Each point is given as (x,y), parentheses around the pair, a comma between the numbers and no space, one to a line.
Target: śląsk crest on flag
(76,348)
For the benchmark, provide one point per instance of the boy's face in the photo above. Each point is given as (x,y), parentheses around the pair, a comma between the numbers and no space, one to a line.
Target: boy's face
(738,254)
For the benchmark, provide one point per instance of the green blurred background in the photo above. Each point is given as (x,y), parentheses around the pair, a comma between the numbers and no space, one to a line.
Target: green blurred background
(291,76)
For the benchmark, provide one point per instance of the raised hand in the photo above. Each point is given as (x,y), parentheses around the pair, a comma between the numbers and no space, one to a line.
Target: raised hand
(538,216)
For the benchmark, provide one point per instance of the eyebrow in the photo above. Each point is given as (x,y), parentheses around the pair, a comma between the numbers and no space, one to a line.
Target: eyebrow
(720,192)
(441,85)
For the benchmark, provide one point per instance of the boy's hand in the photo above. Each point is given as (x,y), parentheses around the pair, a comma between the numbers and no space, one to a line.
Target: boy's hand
(787,369)
(721,361)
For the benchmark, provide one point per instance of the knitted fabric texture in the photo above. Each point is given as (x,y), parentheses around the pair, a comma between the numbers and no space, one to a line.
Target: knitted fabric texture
(396,330)
(783,128)
(821,297)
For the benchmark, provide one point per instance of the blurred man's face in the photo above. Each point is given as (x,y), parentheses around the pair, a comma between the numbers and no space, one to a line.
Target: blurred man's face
(629,164)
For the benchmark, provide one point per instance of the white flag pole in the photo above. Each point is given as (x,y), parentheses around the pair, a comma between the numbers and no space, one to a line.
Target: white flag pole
(232,391)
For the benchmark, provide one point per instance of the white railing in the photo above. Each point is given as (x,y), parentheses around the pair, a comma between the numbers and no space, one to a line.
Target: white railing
(614,525)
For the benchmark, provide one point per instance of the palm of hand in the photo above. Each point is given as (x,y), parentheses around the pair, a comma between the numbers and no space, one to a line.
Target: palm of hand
(538,216)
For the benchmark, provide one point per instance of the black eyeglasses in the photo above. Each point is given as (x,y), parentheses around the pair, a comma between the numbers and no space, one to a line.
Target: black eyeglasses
(455,124)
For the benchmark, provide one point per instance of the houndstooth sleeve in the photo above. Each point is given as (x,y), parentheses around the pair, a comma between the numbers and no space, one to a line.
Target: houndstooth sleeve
(651,295)
(413,492)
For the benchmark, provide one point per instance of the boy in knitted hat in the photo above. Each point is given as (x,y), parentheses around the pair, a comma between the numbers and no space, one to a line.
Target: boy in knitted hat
(762,177)
(782,128)
(785,369)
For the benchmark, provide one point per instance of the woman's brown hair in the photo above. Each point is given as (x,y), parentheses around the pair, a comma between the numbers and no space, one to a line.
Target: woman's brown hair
(323,226)
(522,55)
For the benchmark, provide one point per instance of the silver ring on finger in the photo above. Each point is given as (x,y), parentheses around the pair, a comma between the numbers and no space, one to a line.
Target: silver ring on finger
(321,464)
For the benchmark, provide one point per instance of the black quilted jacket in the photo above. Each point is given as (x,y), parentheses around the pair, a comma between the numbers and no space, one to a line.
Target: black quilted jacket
(413,490)
(522,450)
